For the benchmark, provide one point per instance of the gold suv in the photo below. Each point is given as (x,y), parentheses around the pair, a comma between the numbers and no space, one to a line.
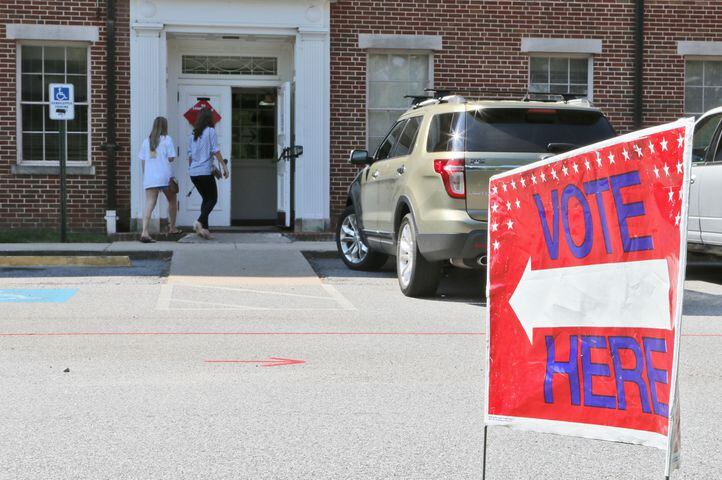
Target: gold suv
(422,197)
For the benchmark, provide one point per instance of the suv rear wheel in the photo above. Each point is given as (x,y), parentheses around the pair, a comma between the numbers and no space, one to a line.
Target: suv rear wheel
(417,276)
(354,252)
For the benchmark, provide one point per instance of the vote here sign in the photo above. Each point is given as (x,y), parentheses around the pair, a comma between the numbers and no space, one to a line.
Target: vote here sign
(587,252)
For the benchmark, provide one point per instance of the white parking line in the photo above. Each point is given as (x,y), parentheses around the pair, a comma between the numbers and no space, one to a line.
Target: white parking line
(167,302)
(165,296)
(340,299)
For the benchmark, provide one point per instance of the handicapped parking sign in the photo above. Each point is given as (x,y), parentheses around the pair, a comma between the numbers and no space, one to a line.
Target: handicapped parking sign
(62,101)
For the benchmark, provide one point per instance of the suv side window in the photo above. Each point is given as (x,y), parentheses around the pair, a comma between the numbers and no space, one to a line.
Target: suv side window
(703,135)
(408,137)
(446,133)
(384,150)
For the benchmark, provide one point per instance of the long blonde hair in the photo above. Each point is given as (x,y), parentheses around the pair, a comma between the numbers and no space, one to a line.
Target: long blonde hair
(160,128)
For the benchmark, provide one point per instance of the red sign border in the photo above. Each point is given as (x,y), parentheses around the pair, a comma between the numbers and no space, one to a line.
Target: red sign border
(592,431)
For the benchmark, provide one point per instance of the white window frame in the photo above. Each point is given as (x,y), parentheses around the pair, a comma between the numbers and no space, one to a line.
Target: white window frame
(590,68)
(216,76)
(18,108)
(695,58)
(430,81)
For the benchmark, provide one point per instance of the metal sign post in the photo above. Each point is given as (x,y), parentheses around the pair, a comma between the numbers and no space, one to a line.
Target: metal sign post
(62,109)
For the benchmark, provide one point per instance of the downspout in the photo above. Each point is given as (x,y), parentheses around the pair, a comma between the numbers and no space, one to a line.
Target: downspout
(110,146)
(638,63)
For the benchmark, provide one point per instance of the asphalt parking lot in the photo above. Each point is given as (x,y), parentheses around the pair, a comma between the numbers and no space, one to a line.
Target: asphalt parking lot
(276,362)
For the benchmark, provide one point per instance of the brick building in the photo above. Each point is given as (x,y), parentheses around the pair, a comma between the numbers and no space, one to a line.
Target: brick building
(44,41)
(328,75)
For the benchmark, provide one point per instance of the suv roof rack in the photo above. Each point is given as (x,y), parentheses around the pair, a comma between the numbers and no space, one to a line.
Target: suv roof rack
(556,97)
(436,96)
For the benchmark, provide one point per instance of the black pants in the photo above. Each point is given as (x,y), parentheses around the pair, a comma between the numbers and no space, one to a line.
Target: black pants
(206,186)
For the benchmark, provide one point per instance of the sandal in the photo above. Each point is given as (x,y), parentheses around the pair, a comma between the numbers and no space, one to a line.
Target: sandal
(146,240)
(177,231)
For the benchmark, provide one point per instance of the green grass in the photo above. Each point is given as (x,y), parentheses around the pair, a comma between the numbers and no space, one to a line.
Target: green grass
(49,236)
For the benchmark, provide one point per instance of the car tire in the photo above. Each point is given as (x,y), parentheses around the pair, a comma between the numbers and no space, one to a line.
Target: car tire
(353,250)
(417,276)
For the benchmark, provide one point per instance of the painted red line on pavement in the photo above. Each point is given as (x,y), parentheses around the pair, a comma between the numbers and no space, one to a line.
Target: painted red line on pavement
(426,334)
(104,334)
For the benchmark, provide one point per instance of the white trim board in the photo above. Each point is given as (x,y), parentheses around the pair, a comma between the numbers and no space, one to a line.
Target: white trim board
(67,33)
(400,42)
(702,49)
(561,45)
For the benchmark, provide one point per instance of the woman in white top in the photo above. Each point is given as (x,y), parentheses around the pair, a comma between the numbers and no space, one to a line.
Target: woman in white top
(156,155)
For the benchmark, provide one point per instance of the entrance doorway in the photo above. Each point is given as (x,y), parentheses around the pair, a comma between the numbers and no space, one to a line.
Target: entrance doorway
(254,128)
(254,186)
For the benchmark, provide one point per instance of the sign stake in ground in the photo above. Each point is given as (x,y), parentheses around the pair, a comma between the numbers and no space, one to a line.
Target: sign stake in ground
(62,109)
(587,255)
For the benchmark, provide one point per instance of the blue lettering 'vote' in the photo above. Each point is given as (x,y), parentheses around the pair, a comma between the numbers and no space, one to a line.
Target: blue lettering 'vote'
(595,189)
(643,377)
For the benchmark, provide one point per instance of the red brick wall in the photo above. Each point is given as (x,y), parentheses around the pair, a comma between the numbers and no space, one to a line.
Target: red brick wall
(481,49)
(33,201)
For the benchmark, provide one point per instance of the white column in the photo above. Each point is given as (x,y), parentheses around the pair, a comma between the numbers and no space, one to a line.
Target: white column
(147,101)
(312,113)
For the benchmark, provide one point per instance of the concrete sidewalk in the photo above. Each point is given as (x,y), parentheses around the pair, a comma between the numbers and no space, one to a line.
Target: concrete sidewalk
(191,242)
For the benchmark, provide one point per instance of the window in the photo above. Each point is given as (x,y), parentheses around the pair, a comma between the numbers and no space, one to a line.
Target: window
(226,65)
(515,130)
(40,137)
(560,75)
(703,132)
(702,86)
(385,149)
(254,125)
(390,77)
(407,139)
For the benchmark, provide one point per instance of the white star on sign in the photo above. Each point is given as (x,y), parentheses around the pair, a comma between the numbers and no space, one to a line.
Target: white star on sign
(495,208)
(664,144)
(680,141)
(679,167)
(587,164)
(508,206)
(651,147)
(510,224)
(680,194)
(496,245)
(666,169)
(677,219)
(495,190)
(533,179)
(518,203)
(565,171)
(599,159)
(575,167)
(671,195)
(626,154)
(513,184)
(611,158)
(554,174)
(656,171)
(543,176)
(523,182)
(638,150)
(494,227)
(503,186)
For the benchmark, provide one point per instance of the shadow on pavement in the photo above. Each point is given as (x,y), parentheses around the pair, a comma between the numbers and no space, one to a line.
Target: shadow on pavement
(457,285)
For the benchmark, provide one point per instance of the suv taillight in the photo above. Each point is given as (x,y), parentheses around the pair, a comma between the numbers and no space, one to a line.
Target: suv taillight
(452,173)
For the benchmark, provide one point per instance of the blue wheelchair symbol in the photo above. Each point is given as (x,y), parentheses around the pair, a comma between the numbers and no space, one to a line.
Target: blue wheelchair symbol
(61,94)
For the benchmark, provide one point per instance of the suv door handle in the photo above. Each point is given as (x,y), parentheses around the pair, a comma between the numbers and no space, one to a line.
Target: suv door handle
(375,174)
(692,180)
(401,170)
